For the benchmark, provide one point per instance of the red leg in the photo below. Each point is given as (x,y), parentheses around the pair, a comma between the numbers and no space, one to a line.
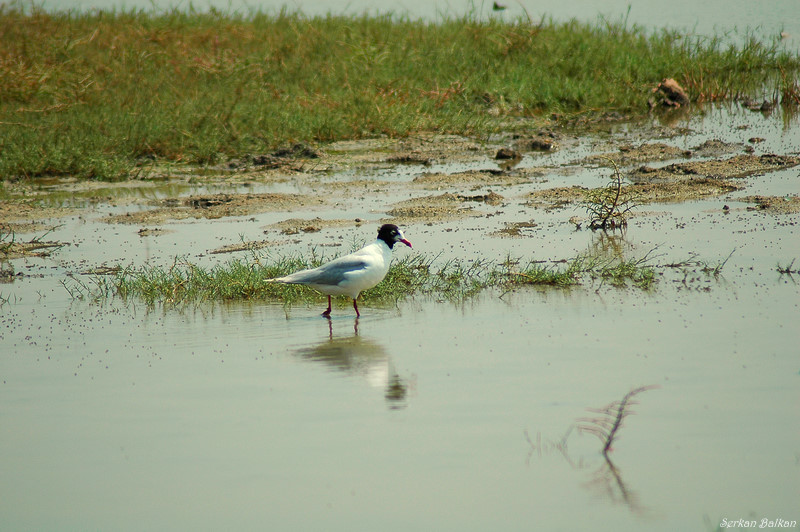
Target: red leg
(355,306)
(328,312)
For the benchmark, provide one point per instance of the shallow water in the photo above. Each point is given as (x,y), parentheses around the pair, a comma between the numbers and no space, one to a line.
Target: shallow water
(423,415)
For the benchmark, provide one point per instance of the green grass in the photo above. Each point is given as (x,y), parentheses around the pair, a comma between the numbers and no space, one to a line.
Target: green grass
(95,94)
(413,275)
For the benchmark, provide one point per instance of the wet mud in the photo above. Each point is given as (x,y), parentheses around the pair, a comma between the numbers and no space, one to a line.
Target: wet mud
(442,178)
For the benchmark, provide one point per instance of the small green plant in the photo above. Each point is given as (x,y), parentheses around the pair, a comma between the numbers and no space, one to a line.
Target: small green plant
(608,207)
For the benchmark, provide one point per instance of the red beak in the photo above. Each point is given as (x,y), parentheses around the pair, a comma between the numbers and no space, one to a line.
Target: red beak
(406,242)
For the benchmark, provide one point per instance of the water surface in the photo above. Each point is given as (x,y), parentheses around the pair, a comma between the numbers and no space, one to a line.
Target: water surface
(422,415)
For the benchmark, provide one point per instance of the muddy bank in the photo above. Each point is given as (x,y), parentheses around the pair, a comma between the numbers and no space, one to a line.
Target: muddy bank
(426,179)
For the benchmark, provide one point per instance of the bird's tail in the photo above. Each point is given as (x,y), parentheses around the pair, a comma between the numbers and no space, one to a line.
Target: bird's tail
(282,280)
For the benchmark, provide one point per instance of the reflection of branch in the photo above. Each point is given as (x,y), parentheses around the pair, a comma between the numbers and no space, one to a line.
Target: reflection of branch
(608,477)
(610,420)
(560,446)
(606,427)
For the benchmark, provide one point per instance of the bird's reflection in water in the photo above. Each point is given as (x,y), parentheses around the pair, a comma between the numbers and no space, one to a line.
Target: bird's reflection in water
(362,357)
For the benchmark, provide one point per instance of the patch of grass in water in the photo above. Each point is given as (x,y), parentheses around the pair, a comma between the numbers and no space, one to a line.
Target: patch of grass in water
(243,279)
(104,94)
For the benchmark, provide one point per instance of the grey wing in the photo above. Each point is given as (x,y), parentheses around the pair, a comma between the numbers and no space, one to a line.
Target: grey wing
(331,273)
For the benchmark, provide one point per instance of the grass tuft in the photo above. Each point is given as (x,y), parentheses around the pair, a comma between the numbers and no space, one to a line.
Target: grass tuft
(243,279)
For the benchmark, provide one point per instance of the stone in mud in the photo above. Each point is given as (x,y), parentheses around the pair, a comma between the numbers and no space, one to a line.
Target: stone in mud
(542,141)
(507,153)
(491,198)
(298,150)
(669,93)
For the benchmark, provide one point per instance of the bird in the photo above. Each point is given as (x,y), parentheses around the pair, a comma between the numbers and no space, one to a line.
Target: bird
(351,274)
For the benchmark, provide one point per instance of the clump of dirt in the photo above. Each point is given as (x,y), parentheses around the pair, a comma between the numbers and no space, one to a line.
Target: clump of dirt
(154,231)
(628,155)
(442,207)
(241,246)
(411,157)
(543,141)
(357,186)
(7,275)
(431,209)
(422,149)
(491,198)
(11,248)
(642,193)
(470,178)
(294,226)
(776,204)
(286,157)
(505,154)
(23,217)
(214,206)
(556,198)
(33,248)
(689,189)
(717,148)
(657,151)
(436,147)
(515,229)
(734,167)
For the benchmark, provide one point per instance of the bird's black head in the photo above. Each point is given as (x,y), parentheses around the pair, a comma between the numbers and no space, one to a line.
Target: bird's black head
(391,234)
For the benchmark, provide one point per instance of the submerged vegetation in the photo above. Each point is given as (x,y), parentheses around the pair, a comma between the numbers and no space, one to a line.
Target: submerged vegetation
(98,94)
(240,279)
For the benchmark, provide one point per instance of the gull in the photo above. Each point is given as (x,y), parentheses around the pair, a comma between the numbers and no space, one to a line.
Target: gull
(351,274)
